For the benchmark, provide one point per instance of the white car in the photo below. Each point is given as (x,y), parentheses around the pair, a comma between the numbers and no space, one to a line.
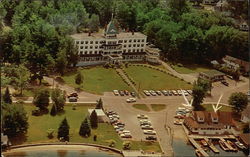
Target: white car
(146,92)
(149,132)
(126,131)
(142,116)
(129,100)
(153,93)
(147,127)
(125,136)
(116,92)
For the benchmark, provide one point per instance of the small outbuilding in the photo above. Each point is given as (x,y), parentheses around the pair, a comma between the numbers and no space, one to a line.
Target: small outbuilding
(212,75)
(100,114)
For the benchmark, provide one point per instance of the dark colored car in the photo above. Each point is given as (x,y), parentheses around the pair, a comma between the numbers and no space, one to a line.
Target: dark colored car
(224,82)
(151,138)
(73,95)
(126,92)
(133,94)
(121,93)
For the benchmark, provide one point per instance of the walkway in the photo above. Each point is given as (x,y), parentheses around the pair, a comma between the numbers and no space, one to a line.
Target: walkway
(187,77)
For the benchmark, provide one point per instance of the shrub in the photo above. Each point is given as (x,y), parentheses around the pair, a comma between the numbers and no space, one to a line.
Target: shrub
(126,145)
(50,133)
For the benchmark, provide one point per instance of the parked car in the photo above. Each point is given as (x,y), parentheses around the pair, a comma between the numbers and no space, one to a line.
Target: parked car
(72,99)
(129,100)
(174,92)
(153,138)
(142,116)
(126,92)
(158,92)
(73,95)
(170,93)
(164,92)
(224,82)
(133,94)
(153,93)
(125,136)
(147,127)
(146,92)
(121,93)
(149,132)
(116,93)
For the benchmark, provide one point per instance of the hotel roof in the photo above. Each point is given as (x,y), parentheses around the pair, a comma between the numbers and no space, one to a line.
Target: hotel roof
(99,35)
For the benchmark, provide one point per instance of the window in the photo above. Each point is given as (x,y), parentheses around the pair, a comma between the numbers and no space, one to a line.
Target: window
(120,41)
(142,40)
(85,52)
(81,47)
(86,47)
(91,42)
(134,40)
(91,47)
(129,45)
(138,45)
(142,45)
(81,42)
(86,42)
(129,50)
(134,45)
(134,50)
(77,42)
(138,40)
(96,42)
(90,52)
(137,50)
(125,41)
(124,45)
(95,52)
(130,40)
(124,51)
(81,52)
(141,50)
(96,47)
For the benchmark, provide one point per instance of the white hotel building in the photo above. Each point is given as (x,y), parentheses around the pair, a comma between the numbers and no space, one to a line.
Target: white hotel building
(112,46)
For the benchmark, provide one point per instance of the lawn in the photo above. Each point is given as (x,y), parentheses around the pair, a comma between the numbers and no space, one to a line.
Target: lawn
(190,68)
(142,107)
(158,107)
(38,126)
(98,80)
(147,79)
(209,107)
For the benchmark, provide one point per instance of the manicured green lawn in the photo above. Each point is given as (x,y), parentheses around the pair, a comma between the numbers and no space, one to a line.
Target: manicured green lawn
(38,126)
(190,68)
(148,78)
(158,107)
(142,107)
(98,80)
(209,107)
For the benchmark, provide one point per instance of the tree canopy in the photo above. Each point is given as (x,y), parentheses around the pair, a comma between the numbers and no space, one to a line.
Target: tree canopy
(239,101)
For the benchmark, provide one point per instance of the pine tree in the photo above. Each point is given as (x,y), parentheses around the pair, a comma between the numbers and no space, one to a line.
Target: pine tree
(78,78)
(85,130)
(7,97)
(53,110)
(63,130)
(99,104)
(93,120)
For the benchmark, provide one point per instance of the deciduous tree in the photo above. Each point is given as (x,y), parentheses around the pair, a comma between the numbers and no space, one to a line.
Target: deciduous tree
(7,96)
(41,99)
(239,101)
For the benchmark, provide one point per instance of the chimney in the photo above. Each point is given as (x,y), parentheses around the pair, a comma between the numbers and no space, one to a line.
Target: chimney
(133,32)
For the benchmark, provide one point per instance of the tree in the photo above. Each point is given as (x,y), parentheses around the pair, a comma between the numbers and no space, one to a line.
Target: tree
(15,120)
(61,61)
(93,119)
(22,79)
(198,96)
(53,110)
(99,104)
(59,98)
(239,101)
(94,23)
(79,78)
(205,84)
(63,130)
(85,130)
(41,99)
(7,97)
